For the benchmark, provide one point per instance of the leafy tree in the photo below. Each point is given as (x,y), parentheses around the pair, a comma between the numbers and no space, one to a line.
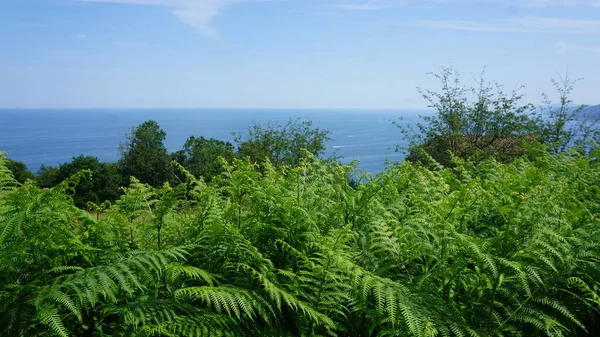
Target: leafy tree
(565,125)
(144,156)
(103,184)
(107,181)
(282,144)
(19,171)
(200,156)
(481,121)
(86,190)
(48,176)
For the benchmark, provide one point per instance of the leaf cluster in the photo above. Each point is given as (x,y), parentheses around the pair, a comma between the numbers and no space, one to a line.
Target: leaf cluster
(483,249)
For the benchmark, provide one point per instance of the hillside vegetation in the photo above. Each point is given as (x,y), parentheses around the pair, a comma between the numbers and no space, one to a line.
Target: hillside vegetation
(478,250)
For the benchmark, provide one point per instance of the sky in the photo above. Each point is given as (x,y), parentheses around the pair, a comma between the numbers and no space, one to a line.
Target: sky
(363,54)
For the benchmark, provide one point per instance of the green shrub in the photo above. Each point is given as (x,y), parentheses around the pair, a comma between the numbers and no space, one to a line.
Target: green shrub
(483,249)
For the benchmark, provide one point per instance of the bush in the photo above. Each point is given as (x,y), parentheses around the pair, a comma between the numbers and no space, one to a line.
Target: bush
(483,121)
(200,156)
(282,144)
(19,171)
(484,249)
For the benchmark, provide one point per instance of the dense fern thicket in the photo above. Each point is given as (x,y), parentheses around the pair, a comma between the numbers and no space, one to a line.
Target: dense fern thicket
(477,250)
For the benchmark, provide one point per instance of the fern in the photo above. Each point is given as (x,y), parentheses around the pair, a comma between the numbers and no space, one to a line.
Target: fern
(486,249)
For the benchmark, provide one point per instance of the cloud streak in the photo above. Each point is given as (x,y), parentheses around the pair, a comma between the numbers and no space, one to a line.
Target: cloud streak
(370,5)
(565,48)
(561,3)
(197,14)
(528,24)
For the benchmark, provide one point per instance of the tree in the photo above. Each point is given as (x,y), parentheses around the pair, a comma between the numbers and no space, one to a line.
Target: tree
(108,182)
(86,189)
(200,156)
(282,144)
(103,184)
(144,156)
(47,176)
(565,125)
(19,171)
(471,122)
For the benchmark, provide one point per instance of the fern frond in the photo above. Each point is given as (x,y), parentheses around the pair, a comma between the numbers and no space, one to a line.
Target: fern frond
(233,301)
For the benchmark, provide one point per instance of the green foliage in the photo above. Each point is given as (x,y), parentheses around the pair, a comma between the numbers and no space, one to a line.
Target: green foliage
(282,144)
(19,171)
(200,156)
(107,182)
(103,185)
(563,125)
(483,249)
(144,156)
(86,189)
(475,122)
(7,179)
(484,121)
(48,176)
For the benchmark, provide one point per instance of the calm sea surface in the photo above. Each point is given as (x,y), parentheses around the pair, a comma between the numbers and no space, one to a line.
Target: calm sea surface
(50,137)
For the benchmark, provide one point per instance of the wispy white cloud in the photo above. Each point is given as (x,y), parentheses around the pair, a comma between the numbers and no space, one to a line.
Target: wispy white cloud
(561,3)
(565,48)
(371,5)
(385,4)
(197,14)
(79,36)
(530,24)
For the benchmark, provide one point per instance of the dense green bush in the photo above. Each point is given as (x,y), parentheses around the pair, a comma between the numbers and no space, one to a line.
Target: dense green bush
(19,171)
(485,249)
(103,184)
(485,121)
(442,148)
(282,144)
(200,156)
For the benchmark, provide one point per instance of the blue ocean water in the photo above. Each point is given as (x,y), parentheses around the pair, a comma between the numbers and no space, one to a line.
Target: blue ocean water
(53,136)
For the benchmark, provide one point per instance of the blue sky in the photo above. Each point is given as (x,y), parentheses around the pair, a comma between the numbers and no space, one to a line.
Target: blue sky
(286,53)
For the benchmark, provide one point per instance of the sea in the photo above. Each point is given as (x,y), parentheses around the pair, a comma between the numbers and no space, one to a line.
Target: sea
(53,136)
